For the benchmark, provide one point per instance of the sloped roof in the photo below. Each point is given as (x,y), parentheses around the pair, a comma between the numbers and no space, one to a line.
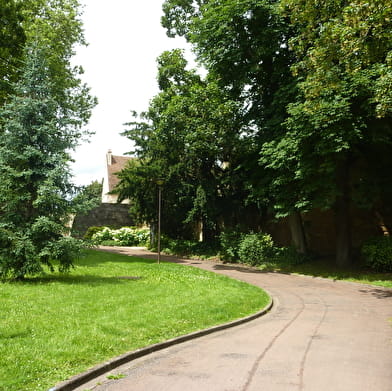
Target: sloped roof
(117,164)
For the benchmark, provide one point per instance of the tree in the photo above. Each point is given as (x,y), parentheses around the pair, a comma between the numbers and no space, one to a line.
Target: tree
(191,138)
(341,117)
(12,39)
(244,45)
(38,133)
(57,26)
(41,121)
(88,197)
(315,82)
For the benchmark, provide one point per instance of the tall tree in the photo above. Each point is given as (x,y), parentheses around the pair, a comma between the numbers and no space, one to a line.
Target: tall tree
(192,138)
(57,25)
(342,116)
(12,39)
(41,123)
(244,44)
(315,82)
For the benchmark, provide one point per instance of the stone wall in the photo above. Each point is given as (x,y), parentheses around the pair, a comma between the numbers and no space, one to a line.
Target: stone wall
(112,215)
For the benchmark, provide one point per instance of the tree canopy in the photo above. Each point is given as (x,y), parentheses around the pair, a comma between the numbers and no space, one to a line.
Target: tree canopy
(42,120)
(303,91)
(12,38)
(191,138)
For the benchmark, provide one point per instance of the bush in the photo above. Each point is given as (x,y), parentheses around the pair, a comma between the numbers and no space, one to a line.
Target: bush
(289,256)
(256,249)
(91,231)
(126,236)
(25,253)
(104,234)
(131,236)
(229,242)
(377,253)
(188,248)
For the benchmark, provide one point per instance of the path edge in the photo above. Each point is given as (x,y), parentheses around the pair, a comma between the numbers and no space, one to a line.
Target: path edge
(100,369)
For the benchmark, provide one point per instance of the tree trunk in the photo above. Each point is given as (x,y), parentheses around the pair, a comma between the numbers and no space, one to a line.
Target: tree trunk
(199,231)
(153,234)
(297,232)
(342,216)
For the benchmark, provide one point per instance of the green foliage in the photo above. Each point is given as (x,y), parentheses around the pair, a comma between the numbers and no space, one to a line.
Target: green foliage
(116,377)
(57,26)
(191,138)
(230,240)
(244,46)
(109,242)
(24,253)
(125,236)
(189,248)
(18,255)
(256,249)
(294,114)
(289,256)
(12,39)
(91,231)
(88,197)
(377,253)
(41,123)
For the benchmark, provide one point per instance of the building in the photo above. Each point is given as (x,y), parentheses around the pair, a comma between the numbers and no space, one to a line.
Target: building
(114,164)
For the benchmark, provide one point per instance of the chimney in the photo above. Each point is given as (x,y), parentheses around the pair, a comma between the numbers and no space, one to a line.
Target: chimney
(109,157)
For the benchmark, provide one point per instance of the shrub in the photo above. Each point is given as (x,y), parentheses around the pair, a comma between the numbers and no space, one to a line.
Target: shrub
(131,236)
(377,253)
(24,253)
(289,256)
(142,236)
(189,248)
(229,242)
(256,249)
(104,234)
(126,236)
(91,231)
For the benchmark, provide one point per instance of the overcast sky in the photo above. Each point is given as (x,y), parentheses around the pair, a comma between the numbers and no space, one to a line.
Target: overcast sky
(125,38)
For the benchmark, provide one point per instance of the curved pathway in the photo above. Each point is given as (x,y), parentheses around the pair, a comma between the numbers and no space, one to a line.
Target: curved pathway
(320,335)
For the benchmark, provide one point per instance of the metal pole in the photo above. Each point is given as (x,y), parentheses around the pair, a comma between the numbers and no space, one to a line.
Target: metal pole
(159,222)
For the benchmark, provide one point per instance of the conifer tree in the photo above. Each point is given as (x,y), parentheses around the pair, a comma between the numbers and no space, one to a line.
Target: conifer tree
(38,134)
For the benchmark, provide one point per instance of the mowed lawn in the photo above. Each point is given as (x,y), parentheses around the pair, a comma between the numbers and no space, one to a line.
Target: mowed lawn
(58,325)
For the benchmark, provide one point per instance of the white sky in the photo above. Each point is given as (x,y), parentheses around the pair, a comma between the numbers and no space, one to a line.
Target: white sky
(125,38)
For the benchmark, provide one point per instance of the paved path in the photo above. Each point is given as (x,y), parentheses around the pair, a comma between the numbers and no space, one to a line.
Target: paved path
(320,335)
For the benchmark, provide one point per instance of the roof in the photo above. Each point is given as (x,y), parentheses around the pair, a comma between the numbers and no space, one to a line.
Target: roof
(116,165)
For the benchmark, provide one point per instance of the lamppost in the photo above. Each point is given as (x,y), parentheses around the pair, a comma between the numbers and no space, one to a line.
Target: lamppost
(159,183)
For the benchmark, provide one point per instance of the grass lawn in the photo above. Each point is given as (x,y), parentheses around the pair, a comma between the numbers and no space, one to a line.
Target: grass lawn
(58,325)
(327,269)
(318,268)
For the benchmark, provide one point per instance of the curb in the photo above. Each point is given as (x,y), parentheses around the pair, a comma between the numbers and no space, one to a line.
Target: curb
(100,369)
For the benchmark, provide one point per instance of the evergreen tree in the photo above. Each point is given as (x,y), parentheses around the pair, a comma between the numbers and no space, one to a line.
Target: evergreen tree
(34,156)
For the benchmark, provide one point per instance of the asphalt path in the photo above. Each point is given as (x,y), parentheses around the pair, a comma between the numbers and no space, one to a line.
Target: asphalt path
(320,335)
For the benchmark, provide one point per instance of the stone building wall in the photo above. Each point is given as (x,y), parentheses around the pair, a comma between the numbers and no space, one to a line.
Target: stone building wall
(112,215)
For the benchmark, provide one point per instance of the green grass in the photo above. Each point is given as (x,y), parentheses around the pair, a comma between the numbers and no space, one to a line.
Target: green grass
(58,325)
(327,269)
(318,268)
